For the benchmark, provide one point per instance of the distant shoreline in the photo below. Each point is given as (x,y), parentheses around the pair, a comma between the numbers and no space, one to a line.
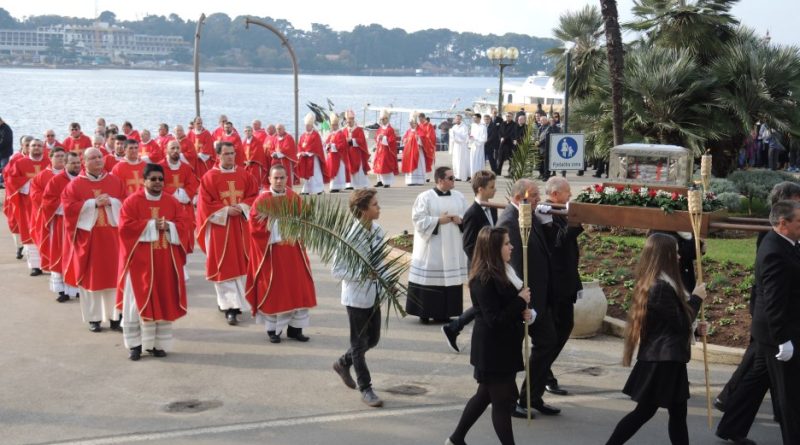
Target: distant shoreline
(241,70)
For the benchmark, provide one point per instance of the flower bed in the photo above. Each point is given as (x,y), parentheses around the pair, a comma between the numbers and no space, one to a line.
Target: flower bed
(627,195)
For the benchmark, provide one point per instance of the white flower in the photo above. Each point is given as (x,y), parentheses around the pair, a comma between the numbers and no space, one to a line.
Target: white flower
(643,191)
(663,194)
(594,195)
(610,191)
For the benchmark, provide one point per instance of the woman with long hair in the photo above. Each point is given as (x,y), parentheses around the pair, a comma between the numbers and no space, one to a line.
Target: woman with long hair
(660,323)
(502,304)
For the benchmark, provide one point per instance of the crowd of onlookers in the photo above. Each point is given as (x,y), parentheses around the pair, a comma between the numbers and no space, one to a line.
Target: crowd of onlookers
(766,147)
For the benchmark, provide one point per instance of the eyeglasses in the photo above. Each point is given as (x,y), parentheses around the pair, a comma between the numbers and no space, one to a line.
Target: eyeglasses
(156,178)
(450,178)
(51,135)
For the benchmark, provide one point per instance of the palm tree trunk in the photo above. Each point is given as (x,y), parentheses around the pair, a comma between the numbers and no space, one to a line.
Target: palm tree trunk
(615,63)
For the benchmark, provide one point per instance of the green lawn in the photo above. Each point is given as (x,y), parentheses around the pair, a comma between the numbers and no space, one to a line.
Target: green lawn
(740,251)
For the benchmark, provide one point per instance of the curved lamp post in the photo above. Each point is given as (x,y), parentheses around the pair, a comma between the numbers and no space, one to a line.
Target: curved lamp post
(289,48)
(197,65)
(502,57)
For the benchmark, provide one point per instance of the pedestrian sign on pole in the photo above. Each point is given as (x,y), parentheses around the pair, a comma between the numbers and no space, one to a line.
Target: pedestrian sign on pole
(566,151)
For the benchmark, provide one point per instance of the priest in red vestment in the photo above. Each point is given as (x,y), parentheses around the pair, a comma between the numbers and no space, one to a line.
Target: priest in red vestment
(428,134)
(385,163)
(311,160)
(181,183)
(188,153)
(117,155)
(220,130)
(8,203)
(259,133)
(230,135)
(358,152)
(19,181)
(223,202)
(414,160)
(91,203)
(129,132)
(76,141)
(280,288)
(151,292)
(203,144)
(255,160)
(149,150)
(41,236)
(284,152)
(53,221)
(131,169)
(337,159)
(164,137)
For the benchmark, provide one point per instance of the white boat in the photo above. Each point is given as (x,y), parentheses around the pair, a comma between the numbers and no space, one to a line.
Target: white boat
(537,89)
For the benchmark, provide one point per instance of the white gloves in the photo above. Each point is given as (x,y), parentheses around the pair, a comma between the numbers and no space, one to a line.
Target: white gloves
(542,214)
(785,351)
(543,208)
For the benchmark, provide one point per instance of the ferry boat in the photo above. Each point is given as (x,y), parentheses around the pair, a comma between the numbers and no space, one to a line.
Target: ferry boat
(535,90)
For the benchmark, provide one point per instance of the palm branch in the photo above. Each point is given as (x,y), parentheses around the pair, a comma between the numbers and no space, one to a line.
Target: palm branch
(523,160)
(328,229)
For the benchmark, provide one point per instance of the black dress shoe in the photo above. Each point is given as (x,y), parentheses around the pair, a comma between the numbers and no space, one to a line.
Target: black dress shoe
(555,389)
(386,186)
(297,334)
(520,412)
(545,409)
(135,353)
(379,184)
(156,352)
(62,297)
(334,190)
(719,405)
(19,253)
(736,440)
(35,272)
(94,326)
(348,188)
(451,335)
(231,317)
(273,337)
(115,325)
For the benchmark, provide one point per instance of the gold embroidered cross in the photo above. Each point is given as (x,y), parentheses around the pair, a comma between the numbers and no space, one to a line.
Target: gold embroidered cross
(161,243)
(135,183)
(101,211)
(176,181)
(231,196)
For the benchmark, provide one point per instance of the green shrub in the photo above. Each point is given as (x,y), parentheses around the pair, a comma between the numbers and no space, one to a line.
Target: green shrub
(731,200)
(722,185)
(756,184)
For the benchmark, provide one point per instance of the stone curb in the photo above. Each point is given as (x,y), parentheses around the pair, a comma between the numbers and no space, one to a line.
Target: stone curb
(723,355)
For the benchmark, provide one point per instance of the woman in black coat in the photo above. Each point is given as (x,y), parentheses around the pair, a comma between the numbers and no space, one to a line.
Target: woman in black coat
(502,303)
(660,322)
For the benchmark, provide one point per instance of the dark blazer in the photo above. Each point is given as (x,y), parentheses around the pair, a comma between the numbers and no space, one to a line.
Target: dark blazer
(562,241)
(497,335)
(665,337)
(538,257)
(508,131)
(493,132)
(776,313)
(473,221)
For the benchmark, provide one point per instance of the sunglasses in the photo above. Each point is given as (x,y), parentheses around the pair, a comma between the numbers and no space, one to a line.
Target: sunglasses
(450,178)
(156,178)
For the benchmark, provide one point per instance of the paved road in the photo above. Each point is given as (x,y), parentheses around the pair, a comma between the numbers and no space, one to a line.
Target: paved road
(62,384)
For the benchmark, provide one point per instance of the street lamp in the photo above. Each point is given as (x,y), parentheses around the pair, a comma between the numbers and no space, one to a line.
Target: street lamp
(502,57)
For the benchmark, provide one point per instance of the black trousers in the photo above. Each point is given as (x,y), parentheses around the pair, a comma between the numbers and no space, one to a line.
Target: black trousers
(743,394)
(543,353)
(564,320)
(783,378)
(489,151)
(365,331)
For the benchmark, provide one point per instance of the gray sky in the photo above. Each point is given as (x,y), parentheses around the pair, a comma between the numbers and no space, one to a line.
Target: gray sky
(536,17)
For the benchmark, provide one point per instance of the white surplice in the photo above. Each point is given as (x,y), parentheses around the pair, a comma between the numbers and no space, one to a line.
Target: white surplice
(477,158)
(459,135)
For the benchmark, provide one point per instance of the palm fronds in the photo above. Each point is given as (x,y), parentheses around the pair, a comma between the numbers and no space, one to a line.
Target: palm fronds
(523,160)
(329,230)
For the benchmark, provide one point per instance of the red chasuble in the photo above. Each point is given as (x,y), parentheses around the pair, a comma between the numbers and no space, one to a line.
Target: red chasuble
(428,134)
(260,135)
(285,145)
(109,161)
(359,156)
(279,277)
(8,204)
(77,145)
(237,146)
(411,151)
(152,150)
(225,246)
(134,135)
(255,160)
(93,259)
(385,152)
(334,158)
(53,223)
(311,143)
(203,144)
(189,153)
(41,236)
(23,171)
(132,175)
(155,267)
(185,179)
(162,141)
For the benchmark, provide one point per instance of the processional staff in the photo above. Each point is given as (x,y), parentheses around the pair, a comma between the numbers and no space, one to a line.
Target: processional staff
(525,225)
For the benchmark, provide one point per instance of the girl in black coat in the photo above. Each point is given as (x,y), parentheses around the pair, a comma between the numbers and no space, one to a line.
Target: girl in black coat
(660,322)
(502,305)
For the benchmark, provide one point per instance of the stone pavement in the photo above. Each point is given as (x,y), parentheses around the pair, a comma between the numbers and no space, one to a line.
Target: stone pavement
(222,384)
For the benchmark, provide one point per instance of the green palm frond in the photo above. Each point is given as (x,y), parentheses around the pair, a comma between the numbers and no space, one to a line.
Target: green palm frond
(328,229)
(523,160)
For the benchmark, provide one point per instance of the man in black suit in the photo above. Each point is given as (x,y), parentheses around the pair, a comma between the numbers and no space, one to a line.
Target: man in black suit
(776,313)
(543,142)
(508,141)
(492,146)
(562,241)
(475,218)
(542,331)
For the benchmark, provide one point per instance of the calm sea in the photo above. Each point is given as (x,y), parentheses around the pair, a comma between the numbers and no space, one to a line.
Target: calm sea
(36,99)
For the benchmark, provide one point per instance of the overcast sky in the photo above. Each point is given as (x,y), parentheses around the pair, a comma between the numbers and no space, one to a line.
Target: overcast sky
(535,17)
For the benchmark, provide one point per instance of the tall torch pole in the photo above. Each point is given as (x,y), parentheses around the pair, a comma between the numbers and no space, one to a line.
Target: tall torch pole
(525,225)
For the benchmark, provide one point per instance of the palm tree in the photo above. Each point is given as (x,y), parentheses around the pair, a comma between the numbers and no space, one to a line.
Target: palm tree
(584,29)
(616,64)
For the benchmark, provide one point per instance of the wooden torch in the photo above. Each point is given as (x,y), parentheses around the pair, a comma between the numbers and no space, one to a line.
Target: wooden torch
(525,226)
